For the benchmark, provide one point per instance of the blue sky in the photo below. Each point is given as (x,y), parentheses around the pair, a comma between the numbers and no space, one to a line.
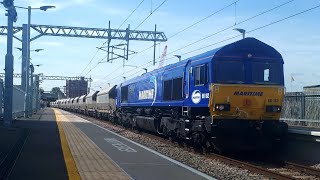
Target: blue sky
(297,39)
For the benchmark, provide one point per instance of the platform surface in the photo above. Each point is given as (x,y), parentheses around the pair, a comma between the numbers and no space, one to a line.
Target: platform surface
(40,155)
(55,144)
(137,161)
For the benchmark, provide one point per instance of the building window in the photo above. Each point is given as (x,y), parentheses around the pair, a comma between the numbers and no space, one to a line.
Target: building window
(200,74)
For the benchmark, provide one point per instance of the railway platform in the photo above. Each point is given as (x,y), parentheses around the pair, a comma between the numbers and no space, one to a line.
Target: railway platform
(55,144)
(310,131)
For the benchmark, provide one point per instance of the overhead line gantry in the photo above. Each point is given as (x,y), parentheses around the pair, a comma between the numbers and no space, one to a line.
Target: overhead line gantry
(78,32)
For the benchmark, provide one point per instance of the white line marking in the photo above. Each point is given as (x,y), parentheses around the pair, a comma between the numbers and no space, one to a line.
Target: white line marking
(305,132)
(119,145)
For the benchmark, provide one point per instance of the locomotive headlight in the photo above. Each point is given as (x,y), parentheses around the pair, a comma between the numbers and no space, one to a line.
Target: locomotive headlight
(222,107)
(273,109)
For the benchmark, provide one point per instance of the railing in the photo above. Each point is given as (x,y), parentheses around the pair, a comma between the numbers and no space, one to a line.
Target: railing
(302,122)
(18,100)
(301,109)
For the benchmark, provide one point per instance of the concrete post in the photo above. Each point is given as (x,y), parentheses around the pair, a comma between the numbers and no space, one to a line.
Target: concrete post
(37,91)
(8,91)
(31,90)
(24,69)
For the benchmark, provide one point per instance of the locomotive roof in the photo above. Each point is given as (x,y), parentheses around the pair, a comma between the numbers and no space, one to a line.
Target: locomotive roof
(236,50)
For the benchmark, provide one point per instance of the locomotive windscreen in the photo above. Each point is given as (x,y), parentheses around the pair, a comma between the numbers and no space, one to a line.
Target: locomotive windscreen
(230,72)
(239,72)
(266,73)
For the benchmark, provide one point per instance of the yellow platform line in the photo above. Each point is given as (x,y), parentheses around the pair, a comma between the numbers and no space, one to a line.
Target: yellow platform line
(72,170)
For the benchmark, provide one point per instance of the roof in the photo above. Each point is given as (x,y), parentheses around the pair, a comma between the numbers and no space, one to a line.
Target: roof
(240,49)
(314,86)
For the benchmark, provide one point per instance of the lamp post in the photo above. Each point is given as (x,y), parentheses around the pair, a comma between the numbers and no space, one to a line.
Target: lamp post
(8,92)
(29,98)
(26,55)
(35,50)
(145,69)
(32,88)
(242,31)
(178,56)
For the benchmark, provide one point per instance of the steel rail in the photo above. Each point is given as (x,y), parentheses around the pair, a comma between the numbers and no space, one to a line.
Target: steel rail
(303,168)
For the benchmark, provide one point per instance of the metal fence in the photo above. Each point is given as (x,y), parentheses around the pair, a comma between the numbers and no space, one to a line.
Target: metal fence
(18,101)
(301,109)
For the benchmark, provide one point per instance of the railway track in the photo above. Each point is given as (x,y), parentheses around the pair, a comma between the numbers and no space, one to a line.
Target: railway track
(286,171)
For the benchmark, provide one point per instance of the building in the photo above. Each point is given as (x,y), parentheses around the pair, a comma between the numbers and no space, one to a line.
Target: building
(312,90)
(76,88)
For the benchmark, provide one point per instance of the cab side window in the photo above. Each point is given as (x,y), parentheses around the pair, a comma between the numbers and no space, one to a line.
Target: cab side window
(200,74)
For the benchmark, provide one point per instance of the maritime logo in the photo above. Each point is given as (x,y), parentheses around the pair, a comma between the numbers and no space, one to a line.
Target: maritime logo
(196,96)
(247,93)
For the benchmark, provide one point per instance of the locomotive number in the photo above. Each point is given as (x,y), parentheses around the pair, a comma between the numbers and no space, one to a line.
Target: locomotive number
(273,100)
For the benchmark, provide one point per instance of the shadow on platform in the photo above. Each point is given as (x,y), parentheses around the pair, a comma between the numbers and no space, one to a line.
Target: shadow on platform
(31,149)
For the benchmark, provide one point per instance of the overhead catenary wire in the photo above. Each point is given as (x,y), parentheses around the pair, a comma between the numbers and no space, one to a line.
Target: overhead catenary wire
(134,29)
(90,62)
(250,31)
(203,19)
(229,27)
(156,9)
(188,27)
(224,29)
(132,12)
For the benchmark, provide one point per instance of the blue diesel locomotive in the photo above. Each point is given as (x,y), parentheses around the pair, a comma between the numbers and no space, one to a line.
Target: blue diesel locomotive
(229,98)
(217,99)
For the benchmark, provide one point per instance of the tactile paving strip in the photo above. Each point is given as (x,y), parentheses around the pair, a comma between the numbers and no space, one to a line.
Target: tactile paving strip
(91,161)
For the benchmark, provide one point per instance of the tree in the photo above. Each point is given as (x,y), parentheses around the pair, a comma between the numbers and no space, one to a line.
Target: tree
(56,90)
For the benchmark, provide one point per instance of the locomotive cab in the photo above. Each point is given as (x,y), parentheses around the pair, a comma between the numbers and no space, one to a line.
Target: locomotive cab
(247,91)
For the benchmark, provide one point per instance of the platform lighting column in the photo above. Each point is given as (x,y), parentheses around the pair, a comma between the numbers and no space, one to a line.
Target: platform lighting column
(178,56)
(37,91)
(8,92)
(155,44)
(26,60)
(31,90)
(109,41)
(27,103)
(242,31)
(145,69)
(127,39)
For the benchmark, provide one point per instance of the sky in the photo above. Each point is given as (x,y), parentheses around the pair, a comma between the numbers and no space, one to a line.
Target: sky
(296,38)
